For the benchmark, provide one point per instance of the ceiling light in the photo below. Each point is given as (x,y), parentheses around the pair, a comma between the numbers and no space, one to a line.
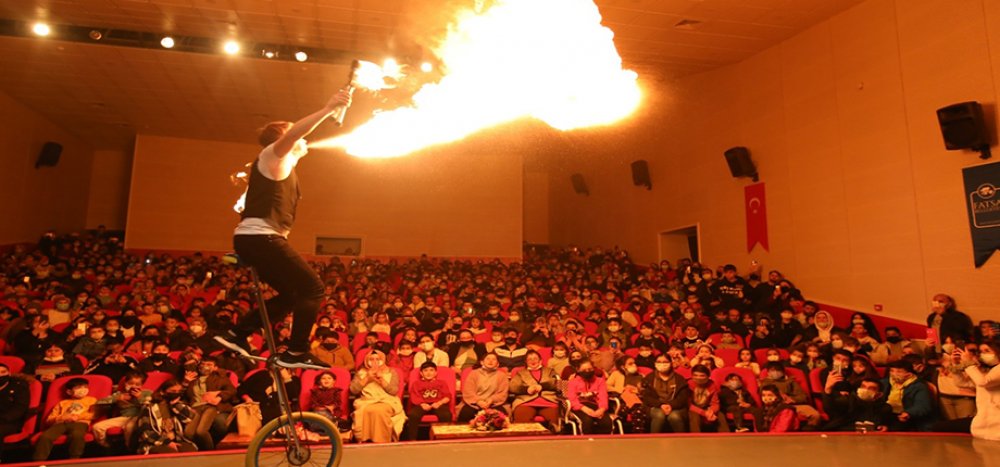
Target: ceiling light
(95,34)
(41,29)
(269,53)
(167,42)
(426,67)
(231,47)
(301,56)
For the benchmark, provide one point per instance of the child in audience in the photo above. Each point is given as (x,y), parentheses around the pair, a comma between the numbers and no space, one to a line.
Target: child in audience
(735,400)
(325,398)
(126,404)
(428,396)
(776,416)
(71,417)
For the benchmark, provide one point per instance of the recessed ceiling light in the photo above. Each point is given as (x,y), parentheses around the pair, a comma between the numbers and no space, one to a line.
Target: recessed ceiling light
(231,47)
(41,29)
(301,56)
(167,42)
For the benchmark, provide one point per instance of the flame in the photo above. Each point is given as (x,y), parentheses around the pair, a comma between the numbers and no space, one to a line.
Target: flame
(547,59)
(375,78)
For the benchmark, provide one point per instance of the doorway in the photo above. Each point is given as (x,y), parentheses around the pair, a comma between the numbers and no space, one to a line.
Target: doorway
(680,243)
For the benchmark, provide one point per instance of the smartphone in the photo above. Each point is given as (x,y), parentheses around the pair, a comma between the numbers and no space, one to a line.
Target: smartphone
(932,335)
(82,327)
(208,275)
(27,279)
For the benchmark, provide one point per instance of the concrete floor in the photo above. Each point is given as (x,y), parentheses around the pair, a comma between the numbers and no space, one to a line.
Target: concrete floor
(802,450)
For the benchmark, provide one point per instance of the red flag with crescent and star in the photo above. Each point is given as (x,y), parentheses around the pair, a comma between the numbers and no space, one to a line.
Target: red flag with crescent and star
(756,205)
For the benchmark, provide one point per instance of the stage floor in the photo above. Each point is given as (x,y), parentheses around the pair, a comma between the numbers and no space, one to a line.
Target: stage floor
(798,450)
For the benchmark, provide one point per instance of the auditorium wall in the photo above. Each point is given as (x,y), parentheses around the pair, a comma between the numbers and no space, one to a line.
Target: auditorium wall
(109,186)
(35,200)
(864,204)
(462,200)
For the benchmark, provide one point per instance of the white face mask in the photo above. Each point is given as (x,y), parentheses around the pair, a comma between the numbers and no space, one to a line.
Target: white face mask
(427,346)
(989,359)
(80,393)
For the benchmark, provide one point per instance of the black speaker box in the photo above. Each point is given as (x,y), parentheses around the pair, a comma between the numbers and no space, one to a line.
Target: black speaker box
(49,155)
(963,127)
(579,185)
(640,174)
(740,164)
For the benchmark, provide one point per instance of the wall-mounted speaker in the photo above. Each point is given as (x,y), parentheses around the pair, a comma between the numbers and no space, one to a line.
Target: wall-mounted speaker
(740,164)
(640,174)
(963,127)
(49,155)
(579,185)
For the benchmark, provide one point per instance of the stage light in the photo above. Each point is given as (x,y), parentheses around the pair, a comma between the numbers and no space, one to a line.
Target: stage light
(167,42)
(41,29)
(231,47)
(95,34)
(269,53)
(426,67)
(301,56)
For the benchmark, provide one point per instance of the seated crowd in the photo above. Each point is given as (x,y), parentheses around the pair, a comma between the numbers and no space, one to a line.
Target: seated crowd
(120,346)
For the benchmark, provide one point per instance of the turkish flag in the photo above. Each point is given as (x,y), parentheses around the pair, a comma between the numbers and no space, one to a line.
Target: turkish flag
(756,205)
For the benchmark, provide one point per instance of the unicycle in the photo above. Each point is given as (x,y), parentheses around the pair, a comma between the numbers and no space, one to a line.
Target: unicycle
(278,442)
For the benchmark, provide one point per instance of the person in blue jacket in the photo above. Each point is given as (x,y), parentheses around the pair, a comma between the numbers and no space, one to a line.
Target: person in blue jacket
(910,398)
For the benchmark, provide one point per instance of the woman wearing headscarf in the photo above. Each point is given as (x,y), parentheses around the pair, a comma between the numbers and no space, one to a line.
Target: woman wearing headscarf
(822,328)
(378,412)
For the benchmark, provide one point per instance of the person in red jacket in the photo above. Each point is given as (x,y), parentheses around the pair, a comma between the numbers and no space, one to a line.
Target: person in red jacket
(428,395)
(776,416)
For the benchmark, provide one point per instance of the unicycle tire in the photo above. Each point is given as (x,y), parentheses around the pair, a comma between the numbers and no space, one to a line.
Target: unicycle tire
(326,452)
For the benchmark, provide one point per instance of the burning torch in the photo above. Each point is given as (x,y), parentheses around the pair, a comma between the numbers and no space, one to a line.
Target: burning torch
(338,116)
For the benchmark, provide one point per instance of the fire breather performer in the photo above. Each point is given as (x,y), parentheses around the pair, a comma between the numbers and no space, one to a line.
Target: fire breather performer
(261,237)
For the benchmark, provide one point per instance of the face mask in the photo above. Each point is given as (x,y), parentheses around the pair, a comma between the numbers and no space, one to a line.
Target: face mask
(329,346)
(613,328)
(62,306)
(989,359)
(171,396)
(866,395)
(775,375)
(769,400)
(559,353)
(663,367)
(795,359)
(688,316)
(405,352)
(586,374)
(899,379)
(163,309)
(774,358)
(813,355)
(700,381)
(510,341)
(894,339)
(4,379)
(80,393)
(734,385)
(948,348)
(631,369)
(159,357)
(837,344)
(427,346)
(196,329)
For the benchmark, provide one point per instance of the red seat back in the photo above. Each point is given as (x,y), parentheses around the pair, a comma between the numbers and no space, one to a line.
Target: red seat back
(34,401)
(716,338)
(800,378)
(154,379)
(100,387)
(15,364)
(729,357)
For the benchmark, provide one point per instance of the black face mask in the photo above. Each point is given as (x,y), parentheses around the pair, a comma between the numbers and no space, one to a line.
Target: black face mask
(171,396)
(894,339)
(329,346)
(159,357)
(4,379)
(587,375)
(510,340)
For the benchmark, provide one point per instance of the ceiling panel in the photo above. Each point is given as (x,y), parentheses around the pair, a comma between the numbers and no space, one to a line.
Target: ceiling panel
(107,94)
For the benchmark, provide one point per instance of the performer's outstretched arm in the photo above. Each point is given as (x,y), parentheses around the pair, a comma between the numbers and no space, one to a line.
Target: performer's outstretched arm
(307,124)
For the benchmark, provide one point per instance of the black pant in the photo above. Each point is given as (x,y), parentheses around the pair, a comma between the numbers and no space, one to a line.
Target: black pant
(414,415)
(591,425)
(300,290)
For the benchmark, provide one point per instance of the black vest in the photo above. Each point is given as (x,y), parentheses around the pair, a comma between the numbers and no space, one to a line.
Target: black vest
(273,201)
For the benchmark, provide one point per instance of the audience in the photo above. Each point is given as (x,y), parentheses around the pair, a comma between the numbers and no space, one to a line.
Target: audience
(567,324)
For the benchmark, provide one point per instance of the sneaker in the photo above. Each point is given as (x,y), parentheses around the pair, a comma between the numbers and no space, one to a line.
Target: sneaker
(304,360)
(233,342)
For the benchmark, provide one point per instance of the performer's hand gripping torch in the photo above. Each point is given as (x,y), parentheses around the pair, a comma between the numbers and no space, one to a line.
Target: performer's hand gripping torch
(351,77)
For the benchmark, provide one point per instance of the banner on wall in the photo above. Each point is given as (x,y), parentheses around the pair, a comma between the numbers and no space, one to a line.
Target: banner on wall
(756,207)
(983,204)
